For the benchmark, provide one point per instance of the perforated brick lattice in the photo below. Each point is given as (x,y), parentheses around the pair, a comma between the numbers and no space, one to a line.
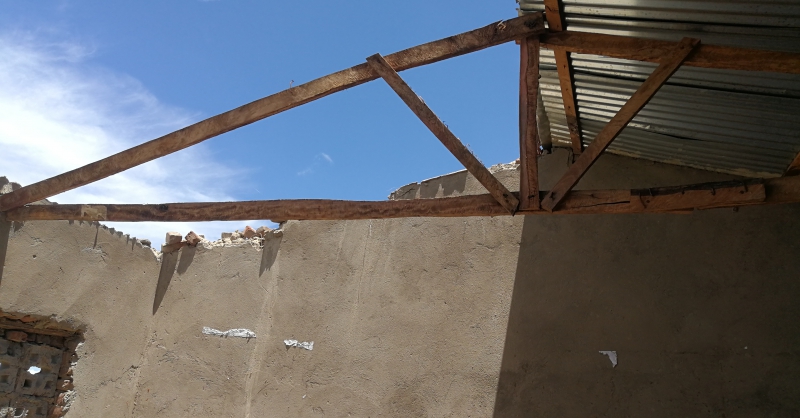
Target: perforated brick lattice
(29,375)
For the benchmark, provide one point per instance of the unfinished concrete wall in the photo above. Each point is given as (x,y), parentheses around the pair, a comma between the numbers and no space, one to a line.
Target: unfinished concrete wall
(409,317)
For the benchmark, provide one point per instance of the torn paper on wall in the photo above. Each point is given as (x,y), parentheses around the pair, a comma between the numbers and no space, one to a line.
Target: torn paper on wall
(612,355)
(238,332)
(295,343)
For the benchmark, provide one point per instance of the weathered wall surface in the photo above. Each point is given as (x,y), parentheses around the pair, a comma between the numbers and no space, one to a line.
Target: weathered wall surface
(409,317)
(96,280)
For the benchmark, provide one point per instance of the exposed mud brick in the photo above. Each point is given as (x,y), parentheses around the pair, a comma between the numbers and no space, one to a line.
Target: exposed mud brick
(56,412)
(61,400)
(65,385)
(16,336)
(65,372)
(42,339)
(71,343)
(192,238)
(249,232)
(171,248)
(57,342)
(262,230)
(173,238)
(66,359)
(27,319)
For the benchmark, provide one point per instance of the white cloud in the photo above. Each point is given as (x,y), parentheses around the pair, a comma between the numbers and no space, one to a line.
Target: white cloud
(311,168)
(58,111)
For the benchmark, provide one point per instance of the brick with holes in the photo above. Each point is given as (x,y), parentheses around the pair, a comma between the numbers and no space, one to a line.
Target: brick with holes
(8,375)
(5,347)
(39,384)
(10,354)
(48,359)
(34,408)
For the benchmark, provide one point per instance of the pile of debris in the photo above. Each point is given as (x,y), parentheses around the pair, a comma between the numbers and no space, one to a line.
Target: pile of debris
(255,237)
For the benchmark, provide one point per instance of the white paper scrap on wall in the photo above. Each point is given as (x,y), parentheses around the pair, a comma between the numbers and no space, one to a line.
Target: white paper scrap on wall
(612,355)
(295,343)
(237,332)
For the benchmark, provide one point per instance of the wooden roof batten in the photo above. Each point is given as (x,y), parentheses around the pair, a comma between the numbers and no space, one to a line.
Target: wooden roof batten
(555,22)
(635,103)
(529,30)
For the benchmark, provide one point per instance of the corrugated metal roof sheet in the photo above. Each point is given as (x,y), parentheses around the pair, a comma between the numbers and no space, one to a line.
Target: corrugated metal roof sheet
(738,122)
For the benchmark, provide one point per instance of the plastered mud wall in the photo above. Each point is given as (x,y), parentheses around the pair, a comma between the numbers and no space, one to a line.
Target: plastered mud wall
(457,317)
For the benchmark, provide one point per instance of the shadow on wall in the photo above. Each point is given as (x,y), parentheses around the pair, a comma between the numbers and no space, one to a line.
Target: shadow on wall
(269,253)
(5,234)
(181,260)
(169,262)
(701,310)
(453,184)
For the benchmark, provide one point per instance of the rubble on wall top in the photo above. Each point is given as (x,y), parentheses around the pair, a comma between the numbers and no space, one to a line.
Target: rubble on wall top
(7,186)
(401,192)
(253,237)
(514,165)
(250,236)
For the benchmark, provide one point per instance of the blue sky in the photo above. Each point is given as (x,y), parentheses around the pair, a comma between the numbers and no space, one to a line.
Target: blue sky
(80,80)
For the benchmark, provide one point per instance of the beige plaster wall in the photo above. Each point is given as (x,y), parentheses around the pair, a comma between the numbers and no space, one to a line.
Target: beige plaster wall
(99,282)
(409,317)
